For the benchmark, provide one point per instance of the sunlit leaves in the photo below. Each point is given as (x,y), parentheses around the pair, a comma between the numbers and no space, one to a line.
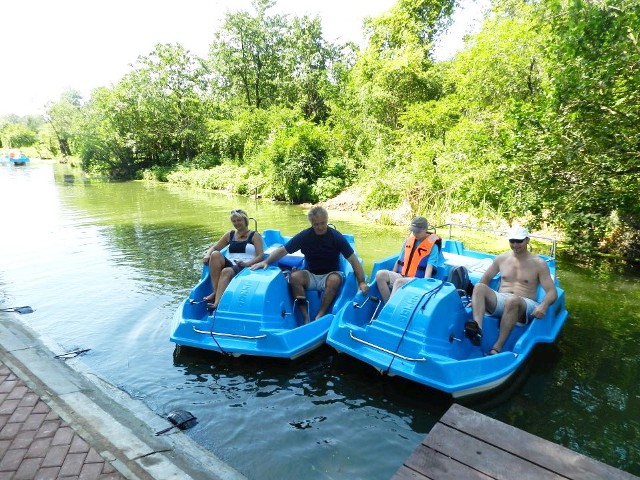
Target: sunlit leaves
(260,60)
(15,135)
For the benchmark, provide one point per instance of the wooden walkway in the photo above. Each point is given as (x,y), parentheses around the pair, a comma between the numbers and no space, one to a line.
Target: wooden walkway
(468,445)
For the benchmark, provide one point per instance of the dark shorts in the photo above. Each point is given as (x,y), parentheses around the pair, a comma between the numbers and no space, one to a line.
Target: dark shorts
(229,264)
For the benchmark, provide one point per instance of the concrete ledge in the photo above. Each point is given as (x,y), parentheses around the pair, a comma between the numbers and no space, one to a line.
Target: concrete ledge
(119,427)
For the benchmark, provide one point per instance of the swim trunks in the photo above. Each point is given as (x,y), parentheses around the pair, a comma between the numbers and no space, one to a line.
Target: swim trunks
(499,310)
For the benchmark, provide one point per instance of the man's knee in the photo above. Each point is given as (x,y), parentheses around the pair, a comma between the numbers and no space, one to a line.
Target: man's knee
(299,277)
(481,289)
(333,281)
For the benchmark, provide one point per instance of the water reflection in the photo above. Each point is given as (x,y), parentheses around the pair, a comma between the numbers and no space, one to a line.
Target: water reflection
(106,265)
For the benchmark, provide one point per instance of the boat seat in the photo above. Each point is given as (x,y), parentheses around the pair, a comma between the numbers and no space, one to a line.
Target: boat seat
(291,261)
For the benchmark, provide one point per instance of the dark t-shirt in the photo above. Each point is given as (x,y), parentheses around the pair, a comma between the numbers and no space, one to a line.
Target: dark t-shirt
(322,252)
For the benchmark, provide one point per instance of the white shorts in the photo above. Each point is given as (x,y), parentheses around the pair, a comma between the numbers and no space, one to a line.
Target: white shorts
(319,282)
(499,310)
(393,277)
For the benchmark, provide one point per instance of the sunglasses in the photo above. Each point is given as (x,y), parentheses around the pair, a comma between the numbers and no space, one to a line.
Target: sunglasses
(512,240)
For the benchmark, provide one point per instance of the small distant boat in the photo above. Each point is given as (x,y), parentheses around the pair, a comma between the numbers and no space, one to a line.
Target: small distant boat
(256,314)
(15,157)
(419,333)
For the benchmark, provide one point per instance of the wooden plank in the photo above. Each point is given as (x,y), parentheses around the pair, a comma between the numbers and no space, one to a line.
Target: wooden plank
(466,444)
(405,473)
(534,449)
(434,465)
(484,457)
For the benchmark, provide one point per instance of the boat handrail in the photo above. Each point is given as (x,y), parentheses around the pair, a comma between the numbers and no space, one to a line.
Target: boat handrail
(231,335)
(552,240)
(377,347)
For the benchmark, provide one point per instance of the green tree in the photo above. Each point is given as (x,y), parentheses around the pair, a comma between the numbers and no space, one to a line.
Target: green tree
(154,117)
(262,60)
(394,70)
(103,144)
(582,137)
(293,161)
(245,56)
(311,64)
(16,135)
(63,116)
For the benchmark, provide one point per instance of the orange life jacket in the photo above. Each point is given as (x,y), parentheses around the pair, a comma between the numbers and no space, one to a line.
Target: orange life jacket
(417,256)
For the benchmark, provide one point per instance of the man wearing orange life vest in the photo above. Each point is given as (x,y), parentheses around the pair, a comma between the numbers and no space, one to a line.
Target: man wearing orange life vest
(419,258)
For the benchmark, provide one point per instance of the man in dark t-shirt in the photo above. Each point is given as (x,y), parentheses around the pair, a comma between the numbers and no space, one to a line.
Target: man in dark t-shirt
(321,247)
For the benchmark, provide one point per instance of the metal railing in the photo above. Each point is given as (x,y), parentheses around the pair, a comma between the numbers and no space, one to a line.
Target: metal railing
(231,335)
(377,347)
(551,240)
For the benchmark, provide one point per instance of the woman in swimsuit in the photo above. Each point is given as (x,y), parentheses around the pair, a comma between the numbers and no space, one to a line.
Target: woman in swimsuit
(245,248)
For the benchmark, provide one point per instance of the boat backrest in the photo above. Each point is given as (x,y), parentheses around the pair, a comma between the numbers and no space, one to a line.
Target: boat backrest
(452,246)
(273,237)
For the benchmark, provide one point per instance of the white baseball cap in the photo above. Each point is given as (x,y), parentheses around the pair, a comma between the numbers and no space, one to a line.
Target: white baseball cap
(518,233)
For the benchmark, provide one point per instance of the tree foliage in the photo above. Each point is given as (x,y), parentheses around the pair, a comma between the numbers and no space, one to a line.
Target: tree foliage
(261,60)
(536,119)
(583,127)
(63,118)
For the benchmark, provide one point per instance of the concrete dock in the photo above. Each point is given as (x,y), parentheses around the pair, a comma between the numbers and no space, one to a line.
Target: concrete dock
(58,420)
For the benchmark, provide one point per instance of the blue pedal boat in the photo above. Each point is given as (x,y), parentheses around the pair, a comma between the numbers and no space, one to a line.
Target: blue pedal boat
(256,314)
(419,333)
(17,158)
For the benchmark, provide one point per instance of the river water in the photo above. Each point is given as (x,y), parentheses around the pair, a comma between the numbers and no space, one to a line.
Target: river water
(106,265)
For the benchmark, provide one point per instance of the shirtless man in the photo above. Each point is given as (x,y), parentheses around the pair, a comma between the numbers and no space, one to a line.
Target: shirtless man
(515,301)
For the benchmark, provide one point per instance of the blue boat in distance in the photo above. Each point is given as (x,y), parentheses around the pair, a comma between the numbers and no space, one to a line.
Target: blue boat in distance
(16,157)
(256,314)
(419,333)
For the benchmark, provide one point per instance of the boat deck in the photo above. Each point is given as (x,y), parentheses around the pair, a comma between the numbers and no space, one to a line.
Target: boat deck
(466,444)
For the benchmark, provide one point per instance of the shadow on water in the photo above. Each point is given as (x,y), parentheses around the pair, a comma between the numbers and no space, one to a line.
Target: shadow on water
(541,362)
(326,373)
(196,361)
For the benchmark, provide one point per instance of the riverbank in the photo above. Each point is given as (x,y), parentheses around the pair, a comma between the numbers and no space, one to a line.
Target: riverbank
(348,206)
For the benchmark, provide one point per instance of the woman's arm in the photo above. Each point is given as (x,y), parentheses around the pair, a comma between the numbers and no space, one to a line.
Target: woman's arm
(223,242)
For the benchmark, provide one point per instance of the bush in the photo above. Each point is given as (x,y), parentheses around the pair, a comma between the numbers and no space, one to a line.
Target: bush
(156,173)
(224,177)
(382,195)
(294,161)
(203,161)
(328,187)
